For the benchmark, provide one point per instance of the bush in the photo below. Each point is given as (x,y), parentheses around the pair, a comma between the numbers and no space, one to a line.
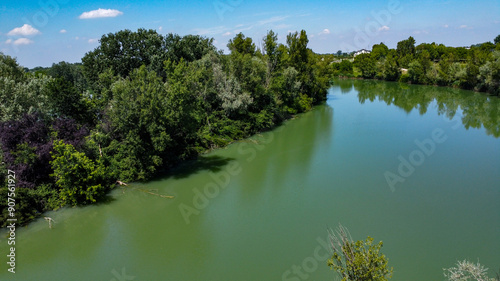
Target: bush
(81,180)
(466,270)
(360,260)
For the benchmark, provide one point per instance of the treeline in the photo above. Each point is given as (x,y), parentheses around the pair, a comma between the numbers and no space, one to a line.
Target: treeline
(472,110)
(139,104)
(475,68)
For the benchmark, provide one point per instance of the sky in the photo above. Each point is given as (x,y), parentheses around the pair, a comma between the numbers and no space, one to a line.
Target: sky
(43,32)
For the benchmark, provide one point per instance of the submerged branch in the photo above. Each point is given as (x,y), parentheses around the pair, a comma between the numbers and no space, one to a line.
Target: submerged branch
(160,195)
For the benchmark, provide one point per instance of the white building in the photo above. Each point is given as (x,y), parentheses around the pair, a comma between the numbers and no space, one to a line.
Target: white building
(362,51)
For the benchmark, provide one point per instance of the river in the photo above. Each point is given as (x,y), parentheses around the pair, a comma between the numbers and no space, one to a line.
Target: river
(417,167)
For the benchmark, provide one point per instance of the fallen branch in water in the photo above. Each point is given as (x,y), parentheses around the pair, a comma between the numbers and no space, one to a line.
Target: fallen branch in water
(121,183)
(162,196)
(50,221)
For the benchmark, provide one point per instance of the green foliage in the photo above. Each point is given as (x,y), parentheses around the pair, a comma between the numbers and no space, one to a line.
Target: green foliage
(21,93)
(497,39)
(379,51)
(345,67)
(472,68)
(241,45)
(24,154)
(80,179)
(366,64)
(149,101)
(9,68)
(72,73)
(489,75)
(271,50)
(406,47)
(297,50)
(360,260)
(124,51)
(390,69)
(416,72)
(66,101)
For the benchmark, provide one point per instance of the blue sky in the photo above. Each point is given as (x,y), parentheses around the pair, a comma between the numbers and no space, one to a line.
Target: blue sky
(39,33)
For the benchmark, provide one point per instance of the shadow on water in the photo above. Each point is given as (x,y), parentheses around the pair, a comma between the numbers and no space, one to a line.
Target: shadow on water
(476,110)
(212,163)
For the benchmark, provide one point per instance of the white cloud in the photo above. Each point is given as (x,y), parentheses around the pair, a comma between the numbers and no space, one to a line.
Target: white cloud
(20,41)
(101,13)
(416,32)
(25,30)
(93,40)
(227,33)
(463,26)
(282,26)
(241,29)
(63,31)
(446,26)
(273,20)
(325,31)
(384,28)
(160,28)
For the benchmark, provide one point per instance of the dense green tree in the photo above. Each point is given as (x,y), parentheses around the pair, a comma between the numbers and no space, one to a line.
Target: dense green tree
(21,93)
(366,64)
(390,69)
(433,75)
(297,50)
(72,73)
(66,101)
(241,45)
(416,72)
(10,69)
(273,54)
(489,75)
(406,50)
(188,48)
(497,39)
(379,51)
(139,118)
(26,97)
(406,47)
(80,179)
(122,51)
(346,67)
(125,51)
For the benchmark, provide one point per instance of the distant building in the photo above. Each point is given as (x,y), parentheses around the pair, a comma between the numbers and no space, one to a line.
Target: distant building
(362,51)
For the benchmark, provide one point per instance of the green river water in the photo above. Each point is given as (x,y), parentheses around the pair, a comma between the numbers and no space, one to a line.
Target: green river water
(417,167)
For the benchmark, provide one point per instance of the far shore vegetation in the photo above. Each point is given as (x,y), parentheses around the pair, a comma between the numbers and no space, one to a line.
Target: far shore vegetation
(474,68)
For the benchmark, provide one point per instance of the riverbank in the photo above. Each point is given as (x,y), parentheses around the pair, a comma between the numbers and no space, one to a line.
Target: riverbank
(470,68)
(115,119)
(288,187)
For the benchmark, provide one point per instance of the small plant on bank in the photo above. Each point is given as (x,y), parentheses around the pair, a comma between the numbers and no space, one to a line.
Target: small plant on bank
(468,271)
(360,260)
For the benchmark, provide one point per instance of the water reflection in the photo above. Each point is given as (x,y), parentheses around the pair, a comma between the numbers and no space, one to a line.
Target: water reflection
(284,154)
(477,110)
